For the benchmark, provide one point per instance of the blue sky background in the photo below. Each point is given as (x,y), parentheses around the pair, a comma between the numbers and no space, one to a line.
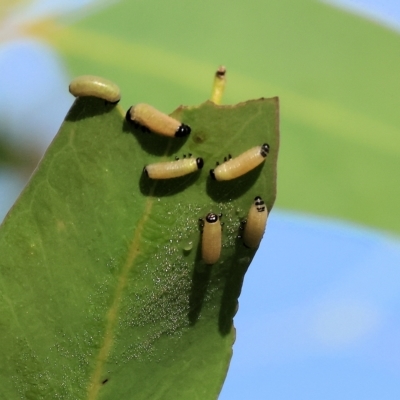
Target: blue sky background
(385,12)
(318,316)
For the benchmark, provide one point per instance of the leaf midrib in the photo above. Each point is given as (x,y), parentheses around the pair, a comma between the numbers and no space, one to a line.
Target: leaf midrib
(133,252)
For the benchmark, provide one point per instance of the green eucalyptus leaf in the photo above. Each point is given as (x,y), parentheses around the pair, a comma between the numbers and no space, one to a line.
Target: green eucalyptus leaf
(103,291)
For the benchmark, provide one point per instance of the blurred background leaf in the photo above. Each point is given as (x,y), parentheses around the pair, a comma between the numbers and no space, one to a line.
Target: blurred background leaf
(336,75)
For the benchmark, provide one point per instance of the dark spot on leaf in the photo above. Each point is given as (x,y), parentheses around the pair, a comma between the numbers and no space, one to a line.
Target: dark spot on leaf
(198,138)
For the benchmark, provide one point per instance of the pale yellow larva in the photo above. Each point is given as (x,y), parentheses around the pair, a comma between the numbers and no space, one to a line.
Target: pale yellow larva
(240,165)
(90,85)
(211,242)
(255,224)
(156,121)
(173,169)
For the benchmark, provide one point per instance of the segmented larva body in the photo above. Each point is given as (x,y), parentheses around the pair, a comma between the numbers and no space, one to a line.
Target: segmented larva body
(156,121)
(173,169)
(211,242)
(255,224)
(90,85)
(240,165)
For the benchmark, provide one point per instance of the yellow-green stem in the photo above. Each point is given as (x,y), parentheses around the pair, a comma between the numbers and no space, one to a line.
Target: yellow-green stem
(219,85)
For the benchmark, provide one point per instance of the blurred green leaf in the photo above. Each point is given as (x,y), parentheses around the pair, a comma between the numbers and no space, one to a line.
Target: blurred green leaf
(22,158)
(336,75)
(103,291)
(7,155)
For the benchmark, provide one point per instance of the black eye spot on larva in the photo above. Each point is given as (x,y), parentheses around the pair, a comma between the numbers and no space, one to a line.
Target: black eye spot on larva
(264,149)
(259,203)
(183,130)
(211,218)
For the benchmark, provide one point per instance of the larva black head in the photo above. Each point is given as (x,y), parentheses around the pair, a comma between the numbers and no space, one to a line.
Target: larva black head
(259,203)
(199,162)
(212,218)
(183,130)
(145,170)
(128,115)
(212,174)
(264,149)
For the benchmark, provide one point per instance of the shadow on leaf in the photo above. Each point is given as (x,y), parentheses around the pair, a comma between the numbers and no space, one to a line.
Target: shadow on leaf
(153,143)
(87,107)
(221,191)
